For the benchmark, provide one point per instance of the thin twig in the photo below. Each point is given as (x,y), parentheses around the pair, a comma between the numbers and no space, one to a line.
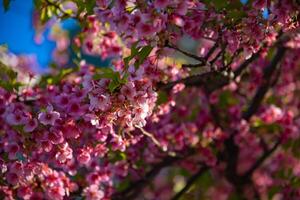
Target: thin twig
(151,136)
(236,53)
(193,65)
(201,59)
(211,50)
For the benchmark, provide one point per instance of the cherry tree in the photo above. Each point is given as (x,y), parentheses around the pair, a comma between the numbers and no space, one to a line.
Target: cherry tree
(219,120)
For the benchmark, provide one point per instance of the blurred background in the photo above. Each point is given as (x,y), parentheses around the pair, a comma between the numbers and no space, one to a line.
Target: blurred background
(18,33)
(21,38)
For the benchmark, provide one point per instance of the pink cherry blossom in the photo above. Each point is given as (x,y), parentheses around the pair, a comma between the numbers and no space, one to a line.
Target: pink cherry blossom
(49,116)
(31,125)
(93,193)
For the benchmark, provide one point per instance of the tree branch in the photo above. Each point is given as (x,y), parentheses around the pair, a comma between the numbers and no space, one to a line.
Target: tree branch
(262,90)
(210,81)
(151,136)
(243,66)
(201,59)
(135,188)
(261,160)
(190,182)
(193,65)
(211,50)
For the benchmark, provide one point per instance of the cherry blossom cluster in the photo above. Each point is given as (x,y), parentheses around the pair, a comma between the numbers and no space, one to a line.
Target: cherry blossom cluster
(155,122)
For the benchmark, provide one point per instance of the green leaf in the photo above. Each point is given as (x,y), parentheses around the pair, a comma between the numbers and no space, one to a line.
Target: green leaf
(162,98)
(115,156)
(115,77)
(219,4)
(37,3)
(107,73)
(44,17)
(50,79)
(133,49)
(227,99)
(206,180)
(113,85)
(90,5)
(143,54)
(260,126)
(6,5)
(274,190)
(235,15)
(133,52)
(123,185)
(8,78)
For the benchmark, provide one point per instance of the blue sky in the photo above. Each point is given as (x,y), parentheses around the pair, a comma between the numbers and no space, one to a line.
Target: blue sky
(18,33)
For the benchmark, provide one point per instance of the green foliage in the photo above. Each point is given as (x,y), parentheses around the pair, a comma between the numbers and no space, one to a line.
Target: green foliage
(273,191)
(206,180)
(51,8)
(115,156)
(54,80)
(221,4)
(123,185)
(8,78)
(48,9)
(287,175)
(293,146)
(233,8)
(261,127)
(227,99)
(115,77)
(203,183)
(140,53)
(85,6)
(162,98)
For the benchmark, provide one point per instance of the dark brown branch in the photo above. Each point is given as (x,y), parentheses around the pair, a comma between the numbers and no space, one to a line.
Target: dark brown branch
(262,90)
(216,57)
(236,53)
(193,65)
(210,81)
(211,50)
(231,157)
(243,66)
(276,77)
(190,182)
(248,174)
(231,149)
(201,59)
(135,188)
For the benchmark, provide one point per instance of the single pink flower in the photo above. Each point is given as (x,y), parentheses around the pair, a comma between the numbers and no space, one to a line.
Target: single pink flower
(49,117)
(30,125)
